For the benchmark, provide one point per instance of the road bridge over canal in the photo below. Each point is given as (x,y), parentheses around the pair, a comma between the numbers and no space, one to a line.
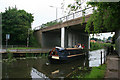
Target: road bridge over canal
(69,32)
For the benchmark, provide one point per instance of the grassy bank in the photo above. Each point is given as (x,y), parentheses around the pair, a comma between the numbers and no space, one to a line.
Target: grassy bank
(23,48)
(95,46)
(97,72)
(10,57)
(94,72)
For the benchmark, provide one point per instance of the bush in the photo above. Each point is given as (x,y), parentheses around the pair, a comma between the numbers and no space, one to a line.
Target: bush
(95,46)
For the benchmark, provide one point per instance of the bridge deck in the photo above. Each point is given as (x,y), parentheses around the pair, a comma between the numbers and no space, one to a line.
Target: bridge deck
(66,24)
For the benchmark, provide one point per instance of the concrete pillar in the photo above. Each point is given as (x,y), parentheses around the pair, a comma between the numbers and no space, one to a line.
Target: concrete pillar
(63,37)
(69,39)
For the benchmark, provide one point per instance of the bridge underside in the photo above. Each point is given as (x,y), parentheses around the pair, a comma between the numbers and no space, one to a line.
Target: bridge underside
(64,37)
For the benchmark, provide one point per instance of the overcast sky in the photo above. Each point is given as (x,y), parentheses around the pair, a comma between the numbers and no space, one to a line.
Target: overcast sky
(103,35)
(41,10)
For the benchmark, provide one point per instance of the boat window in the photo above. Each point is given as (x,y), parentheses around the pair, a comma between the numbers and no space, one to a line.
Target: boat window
(61,51)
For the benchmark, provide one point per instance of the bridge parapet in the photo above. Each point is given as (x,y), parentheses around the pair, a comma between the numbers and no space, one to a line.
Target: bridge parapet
(69,17)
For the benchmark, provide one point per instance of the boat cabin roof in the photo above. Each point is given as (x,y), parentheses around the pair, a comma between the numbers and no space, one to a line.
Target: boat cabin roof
(72,48)
(60,48)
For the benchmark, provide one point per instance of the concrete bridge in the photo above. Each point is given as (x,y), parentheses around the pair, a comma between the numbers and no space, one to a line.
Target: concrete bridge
(69,32)
(66,34)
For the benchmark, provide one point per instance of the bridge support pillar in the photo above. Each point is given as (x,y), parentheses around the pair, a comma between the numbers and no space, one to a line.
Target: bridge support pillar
(63,37)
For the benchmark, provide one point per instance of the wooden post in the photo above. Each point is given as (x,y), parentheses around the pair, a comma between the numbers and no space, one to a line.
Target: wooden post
(73,16)
(101,57)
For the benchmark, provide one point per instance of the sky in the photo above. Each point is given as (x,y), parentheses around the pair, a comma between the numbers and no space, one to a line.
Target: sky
(42,11)
(103,35)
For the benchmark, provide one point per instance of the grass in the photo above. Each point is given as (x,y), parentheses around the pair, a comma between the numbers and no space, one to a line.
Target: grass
(10,57)
(97,72)
(94,73)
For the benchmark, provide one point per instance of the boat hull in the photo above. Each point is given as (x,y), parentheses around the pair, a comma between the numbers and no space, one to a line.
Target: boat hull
(62,55)
(64,60)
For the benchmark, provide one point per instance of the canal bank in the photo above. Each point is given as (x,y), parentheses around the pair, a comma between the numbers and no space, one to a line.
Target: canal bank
(113,67)
(28,68)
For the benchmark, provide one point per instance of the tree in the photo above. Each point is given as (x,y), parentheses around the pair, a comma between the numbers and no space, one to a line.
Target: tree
(16,23)
(113,39)
(105,17)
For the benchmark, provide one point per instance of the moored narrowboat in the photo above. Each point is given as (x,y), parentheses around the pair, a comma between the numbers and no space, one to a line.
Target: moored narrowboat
(64,54)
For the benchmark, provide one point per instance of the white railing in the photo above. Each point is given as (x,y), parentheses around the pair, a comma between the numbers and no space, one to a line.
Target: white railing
(77,14)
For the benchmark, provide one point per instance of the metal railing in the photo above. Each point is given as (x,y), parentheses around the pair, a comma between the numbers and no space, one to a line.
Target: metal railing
(77,14)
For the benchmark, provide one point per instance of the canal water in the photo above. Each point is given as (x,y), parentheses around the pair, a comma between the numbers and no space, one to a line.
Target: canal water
(41,68)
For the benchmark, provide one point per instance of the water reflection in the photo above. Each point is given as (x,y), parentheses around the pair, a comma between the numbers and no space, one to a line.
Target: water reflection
(40,68)
(37,74)
(61,70)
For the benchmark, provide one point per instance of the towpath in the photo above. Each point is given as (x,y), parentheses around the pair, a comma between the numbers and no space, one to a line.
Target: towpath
(113,67)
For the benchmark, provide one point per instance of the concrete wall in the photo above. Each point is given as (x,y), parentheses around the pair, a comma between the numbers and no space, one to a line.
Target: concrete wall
(118,45)
(75,37)
(51,39)
(117,41)
(38,36)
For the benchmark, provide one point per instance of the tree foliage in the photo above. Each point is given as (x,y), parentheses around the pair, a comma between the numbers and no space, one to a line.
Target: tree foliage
(105,17)
(16,23)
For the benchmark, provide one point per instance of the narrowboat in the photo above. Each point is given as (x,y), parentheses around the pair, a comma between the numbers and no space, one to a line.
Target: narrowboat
(64,54)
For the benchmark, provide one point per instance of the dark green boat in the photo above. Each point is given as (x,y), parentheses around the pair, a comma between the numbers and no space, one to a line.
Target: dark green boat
(64,54)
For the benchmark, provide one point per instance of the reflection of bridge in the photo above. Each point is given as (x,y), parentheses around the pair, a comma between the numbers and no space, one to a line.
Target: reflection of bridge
(67,33)
(37,74)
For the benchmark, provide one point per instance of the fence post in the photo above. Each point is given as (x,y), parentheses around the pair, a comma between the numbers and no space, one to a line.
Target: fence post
(73,15)
(101,57)
(104,57)
(17,50)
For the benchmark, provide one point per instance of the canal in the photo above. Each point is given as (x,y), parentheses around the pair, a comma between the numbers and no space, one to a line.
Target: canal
(41,68)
